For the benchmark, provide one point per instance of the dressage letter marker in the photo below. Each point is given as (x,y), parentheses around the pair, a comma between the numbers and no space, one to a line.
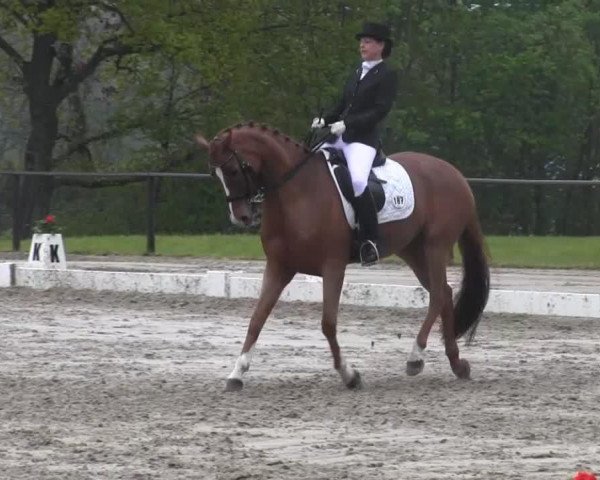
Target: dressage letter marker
(54,254)
(47,251)
(36,252)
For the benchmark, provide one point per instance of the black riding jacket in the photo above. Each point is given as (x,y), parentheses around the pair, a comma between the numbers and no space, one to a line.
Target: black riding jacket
(365,103)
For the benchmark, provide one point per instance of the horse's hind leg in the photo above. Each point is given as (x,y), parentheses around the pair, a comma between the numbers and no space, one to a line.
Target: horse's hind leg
(430,268)
(460,367)
(429,265)
(275,278)
(414,257)
(333,280)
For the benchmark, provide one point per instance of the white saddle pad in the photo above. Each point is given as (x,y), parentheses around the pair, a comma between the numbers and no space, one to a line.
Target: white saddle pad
(398,190)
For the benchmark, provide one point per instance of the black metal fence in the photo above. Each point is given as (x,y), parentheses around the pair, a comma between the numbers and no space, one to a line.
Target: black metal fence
(151,202)
(68,196)
(538,207)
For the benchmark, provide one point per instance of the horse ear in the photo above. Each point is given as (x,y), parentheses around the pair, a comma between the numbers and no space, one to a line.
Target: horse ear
(200,140)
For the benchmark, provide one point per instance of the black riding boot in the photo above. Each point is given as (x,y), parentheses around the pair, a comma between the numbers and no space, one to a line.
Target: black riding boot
(366,213)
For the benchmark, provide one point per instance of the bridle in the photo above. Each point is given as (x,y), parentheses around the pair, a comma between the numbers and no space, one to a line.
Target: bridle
(255,193)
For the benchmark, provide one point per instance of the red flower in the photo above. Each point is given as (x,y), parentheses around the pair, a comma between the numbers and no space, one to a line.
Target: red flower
(49,219)
(584,476)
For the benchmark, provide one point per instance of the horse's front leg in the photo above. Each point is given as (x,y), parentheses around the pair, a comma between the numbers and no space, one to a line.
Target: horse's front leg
(333,280)
(274,281)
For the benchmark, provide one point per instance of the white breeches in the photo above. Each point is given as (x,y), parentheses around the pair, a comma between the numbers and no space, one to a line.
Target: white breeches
(360,160)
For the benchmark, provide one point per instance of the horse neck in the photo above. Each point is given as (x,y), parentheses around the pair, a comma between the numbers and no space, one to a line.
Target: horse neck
(300,194)
(294,172)
(298,205)
(279,154)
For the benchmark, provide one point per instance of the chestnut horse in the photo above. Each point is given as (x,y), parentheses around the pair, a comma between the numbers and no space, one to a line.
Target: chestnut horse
(304,230)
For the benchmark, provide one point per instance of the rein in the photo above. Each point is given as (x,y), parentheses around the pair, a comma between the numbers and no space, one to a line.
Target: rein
(259,192)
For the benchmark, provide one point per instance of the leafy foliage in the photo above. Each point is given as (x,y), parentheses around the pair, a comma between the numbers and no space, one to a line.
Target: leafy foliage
(499,88)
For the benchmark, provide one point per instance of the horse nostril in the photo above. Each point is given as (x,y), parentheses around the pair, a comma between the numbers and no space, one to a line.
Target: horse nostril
(245,219)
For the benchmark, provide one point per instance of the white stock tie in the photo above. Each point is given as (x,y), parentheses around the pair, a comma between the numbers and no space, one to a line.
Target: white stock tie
(366,66)
(365,69)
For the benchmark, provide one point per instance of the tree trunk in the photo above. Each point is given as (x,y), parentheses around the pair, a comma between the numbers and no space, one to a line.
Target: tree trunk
(43,105)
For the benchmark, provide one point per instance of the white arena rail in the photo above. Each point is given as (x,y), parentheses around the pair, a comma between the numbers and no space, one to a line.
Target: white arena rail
(303,288)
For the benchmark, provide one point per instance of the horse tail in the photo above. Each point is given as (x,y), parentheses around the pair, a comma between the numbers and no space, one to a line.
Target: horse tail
(475,287)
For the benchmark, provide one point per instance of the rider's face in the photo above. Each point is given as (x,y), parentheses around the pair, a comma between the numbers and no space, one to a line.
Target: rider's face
(371,49)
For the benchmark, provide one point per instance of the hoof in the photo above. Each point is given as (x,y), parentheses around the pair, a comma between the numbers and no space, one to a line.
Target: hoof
(414,368)
(233,385)
(356,382)
(462,369)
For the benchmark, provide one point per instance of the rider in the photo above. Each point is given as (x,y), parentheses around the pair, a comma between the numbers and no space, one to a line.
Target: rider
(367,98)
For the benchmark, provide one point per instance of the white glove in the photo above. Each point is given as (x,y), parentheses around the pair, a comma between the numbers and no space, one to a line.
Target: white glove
(317,123)
(338,128)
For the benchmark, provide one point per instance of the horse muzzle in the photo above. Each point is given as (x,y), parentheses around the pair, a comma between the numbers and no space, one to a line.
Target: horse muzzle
(245,213)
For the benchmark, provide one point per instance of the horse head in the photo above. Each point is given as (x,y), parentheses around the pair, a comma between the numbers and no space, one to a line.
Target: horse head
(237,165)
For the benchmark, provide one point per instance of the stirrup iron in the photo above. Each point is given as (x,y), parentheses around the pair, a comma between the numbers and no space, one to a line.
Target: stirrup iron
(369,254)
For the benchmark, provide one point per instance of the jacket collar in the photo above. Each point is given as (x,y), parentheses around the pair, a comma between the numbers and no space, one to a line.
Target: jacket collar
(371,73)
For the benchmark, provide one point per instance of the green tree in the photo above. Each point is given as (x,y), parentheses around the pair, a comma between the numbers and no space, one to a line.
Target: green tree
(502,89)
(58,45)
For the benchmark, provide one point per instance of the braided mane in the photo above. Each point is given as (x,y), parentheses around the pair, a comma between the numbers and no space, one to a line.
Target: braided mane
(264,128)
